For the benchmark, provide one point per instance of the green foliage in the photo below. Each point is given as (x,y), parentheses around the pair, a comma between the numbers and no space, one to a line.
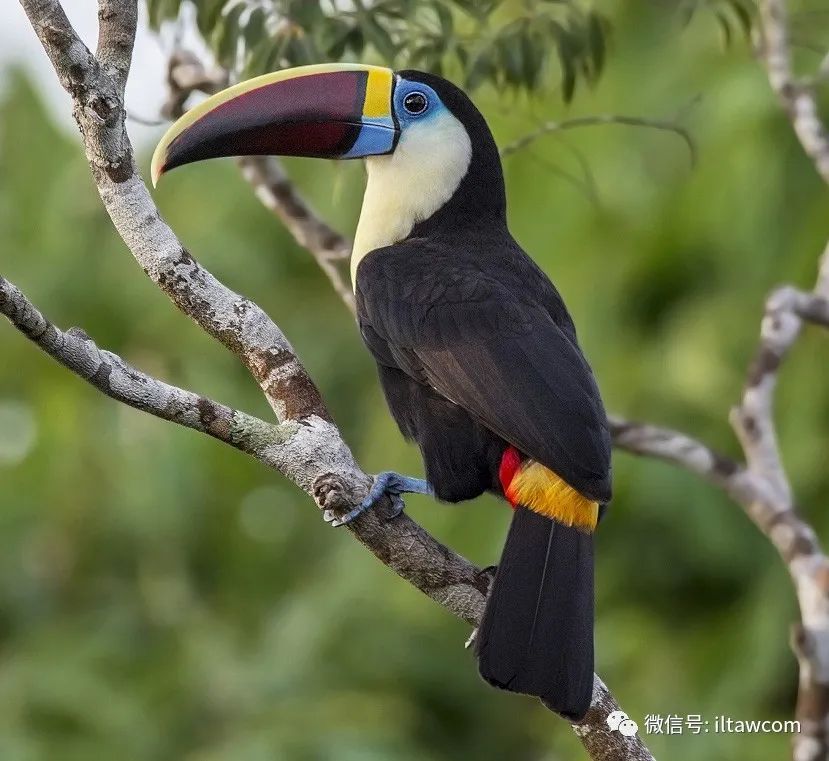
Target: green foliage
(731,16)
(518,45)
(164,597)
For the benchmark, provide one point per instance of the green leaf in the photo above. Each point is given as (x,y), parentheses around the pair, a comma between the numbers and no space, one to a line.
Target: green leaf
(725,27)
(567,56)
(226,36)
(596,41)
(255,28)
(445,19)
(482,69)
(335,39)
(532,55)
(462,53)
(509,49)
(207,15)
(254,60)
(159,11)
(379,38)
(523,36)
(745,16)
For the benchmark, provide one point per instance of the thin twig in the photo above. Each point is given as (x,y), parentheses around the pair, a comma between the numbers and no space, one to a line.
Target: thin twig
(798,98)
(599,120)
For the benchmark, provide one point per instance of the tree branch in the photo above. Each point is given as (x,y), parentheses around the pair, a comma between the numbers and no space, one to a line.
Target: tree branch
(329,248)
(798,98)
(600,120)
(311,453)
(112,376)
(773,510)
(117,24)
(753,420)
(300,451)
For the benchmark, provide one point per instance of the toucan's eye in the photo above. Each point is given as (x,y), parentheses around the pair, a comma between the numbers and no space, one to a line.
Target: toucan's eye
(415,103)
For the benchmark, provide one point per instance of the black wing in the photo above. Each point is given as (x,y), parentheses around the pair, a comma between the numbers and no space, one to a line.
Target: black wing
(485,338)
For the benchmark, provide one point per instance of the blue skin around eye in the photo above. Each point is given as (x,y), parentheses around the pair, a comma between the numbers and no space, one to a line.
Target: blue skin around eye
(404,88)
(377,134)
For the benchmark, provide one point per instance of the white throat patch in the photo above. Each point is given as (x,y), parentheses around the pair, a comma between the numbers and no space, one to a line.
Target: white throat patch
(409,185)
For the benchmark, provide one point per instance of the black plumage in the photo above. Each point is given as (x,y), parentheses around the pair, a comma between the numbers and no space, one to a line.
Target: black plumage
(476,352)
(537,634)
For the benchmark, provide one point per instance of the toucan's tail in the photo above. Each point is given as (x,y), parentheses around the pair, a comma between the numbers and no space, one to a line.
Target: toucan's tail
(536,635)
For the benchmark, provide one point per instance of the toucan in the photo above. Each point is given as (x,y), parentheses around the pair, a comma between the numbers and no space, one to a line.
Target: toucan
(476,352)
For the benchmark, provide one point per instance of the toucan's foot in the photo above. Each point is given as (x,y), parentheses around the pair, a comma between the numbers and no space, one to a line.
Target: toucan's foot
(387,483)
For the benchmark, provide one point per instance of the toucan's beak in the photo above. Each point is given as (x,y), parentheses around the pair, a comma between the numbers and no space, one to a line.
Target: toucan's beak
(327,111)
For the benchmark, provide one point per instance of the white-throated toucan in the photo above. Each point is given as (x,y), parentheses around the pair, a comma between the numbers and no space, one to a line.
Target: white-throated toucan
(475,349)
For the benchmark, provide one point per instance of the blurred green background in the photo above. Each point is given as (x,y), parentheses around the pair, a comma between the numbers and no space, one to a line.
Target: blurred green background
(164,597)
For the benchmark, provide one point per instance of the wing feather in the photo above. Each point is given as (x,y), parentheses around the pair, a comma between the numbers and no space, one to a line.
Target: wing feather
(495,350)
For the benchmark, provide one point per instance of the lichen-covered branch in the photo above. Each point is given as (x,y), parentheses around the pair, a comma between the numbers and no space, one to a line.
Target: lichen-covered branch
(111,375)
(309,450)
(116,34)
(237,322)
(773,509)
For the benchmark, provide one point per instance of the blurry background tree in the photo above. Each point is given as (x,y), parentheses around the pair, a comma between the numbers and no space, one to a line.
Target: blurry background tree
(190,605)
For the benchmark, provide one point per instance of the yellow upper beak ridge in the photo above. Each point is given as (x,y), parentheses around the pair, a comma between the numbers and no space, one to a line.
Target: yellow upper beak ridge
(375,106)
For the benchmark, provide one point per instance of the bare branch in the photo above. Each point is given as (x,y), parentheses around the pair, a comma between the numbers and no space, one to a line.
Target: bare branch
(111,375)
(312,453)
(762,486)
(300,451)
(677,448)
(770,504)
(186,74)
(328,247)
(237,322)
(798,98)
(145,121)
(600,120)
(776,515)
(117,22)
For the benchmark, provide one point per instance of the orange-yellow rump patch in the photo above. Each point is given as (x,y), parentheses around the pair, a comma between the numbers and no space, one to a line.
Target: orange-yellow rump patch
(542,491)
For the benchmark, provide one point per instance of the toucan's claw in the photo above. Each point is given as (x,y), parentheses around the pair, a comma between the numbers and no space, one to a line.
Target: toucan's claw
(336,521)
(386,483)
